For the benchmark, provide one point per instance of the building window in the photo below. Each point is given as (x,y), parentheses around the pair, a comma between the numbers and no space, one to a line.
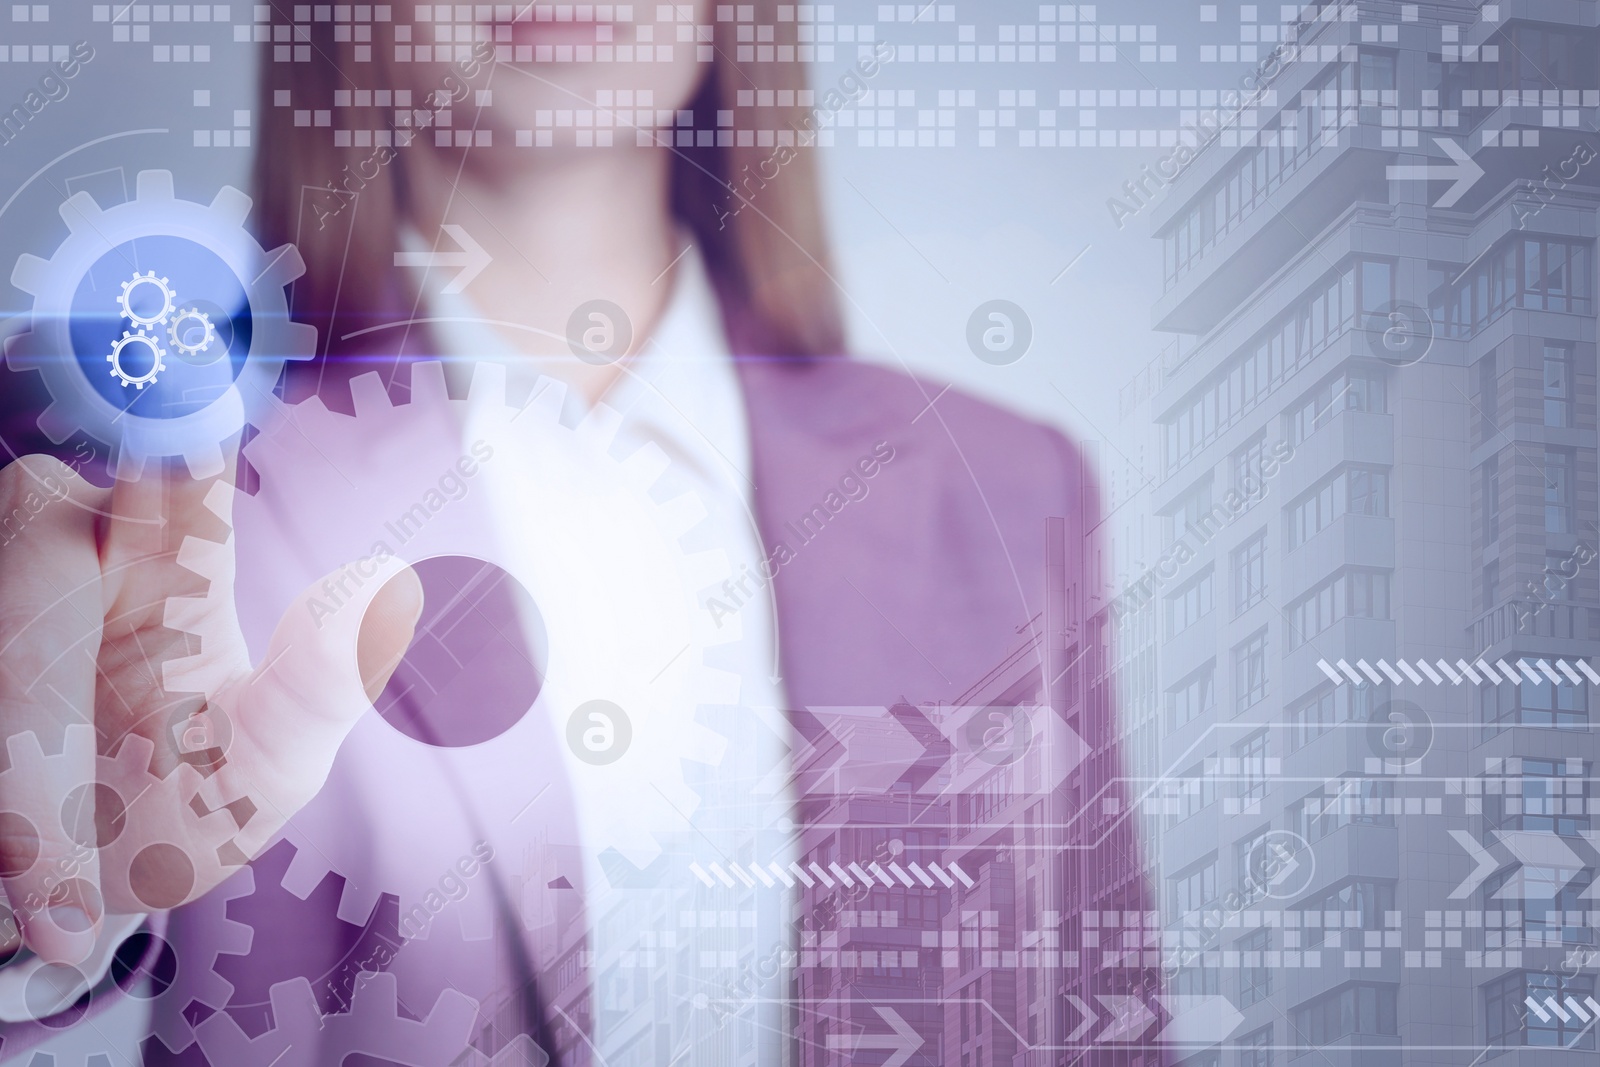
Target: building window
(1488,397)
(1196,502)
(1366,904)
(1528,703)
(1194,889)
(1557,385)
(1192,697)
(1359,490)
(1352,593)
(1540,274)
(1343,802)
(1255,976)
(1491,500)
(1490,584)
(1197,791)
(1356,390)
(1250,573)
(1327,706)
(1511,1020)
(1546,795)
(1252,756)
(1557,491)
(1327,311)
(1250,467)
(1354,1009)
(1190,604)
(1250,671)
(1198,981)
(1255,1048)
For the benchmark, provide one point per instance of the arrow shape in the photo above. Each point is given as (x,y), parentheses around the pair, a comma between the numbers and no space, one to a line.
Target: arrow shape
(471,259)
(901,1043)
(1463,172)
(1089,1018)
(1130,1017)
(1486,862)
(1532,849)
(1199,1020)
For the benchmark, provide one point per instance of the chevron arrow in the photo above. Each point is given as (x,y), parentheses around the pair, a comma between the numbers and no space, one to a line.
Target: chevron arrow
(1086,1013)
(1130,1017)
(1486,864)
(1546,851)
(901,1042)
(1199,1020)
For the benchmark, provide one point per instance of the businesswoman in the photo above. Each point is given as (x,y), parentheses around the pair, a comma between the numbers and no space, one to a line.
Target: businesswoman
(623,201)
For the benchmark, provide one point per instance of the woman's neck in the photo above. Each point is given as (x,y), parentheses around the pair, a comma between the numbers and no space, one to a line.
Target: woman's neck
(565,229)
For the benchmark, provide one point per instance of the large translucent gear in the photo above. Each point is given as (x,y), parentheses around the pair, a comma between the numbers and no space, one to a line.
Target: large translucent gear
(155,211)
(372,1027)
(136,789)
(329,483)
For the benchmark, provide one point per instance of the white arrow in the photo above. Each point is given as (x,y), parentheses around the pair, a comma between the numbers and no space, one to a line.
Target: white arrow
(1199,1020)
(1088,1015)
(1464,172)
(1545,851)
(471,259)
(901,1043)
(1130,1017)
(1486,862)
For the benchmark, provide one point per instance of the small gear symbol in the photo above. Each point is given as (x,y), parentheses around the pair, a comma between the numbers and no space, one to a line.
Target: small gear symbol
(77,404)
(136,340)
(181,329)
(147,280)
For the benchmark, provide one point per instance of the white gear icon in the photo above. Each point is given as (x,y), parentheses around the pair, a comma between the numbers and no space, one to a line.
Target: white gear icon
(137,340)
(76,403)
(332,486)
(161,285)
(373,1027)
(196,319)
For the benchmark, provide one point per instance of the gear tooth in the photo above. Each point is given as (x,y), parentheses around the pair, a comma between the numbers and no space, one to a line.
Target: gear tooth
(284,263)
(78,741)
(647,464)
(301,341)
(427,383)
(368,394)
(682,514)
(453,1011)
(24,748)
(155,185)
(80,212)
(57,423)
(599,427)
(30,273)
(128,465)
(547,399)
(205,460)
(488,384)
(380,986)
(27,351)
(231,205)
(356,905)
(137,750)
(291,998)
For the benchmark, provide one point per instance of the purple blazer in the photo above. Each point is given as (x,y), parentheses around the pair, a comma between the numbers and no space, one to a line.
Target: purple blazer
(922,598)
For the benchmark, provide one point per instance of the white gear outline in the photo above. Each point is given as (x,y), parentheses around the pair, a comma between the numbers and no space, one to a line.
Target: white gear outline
(32,771)
(138,381)
(378,450)
(168,298)
(176,339)
(373,1026)
(156,211)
